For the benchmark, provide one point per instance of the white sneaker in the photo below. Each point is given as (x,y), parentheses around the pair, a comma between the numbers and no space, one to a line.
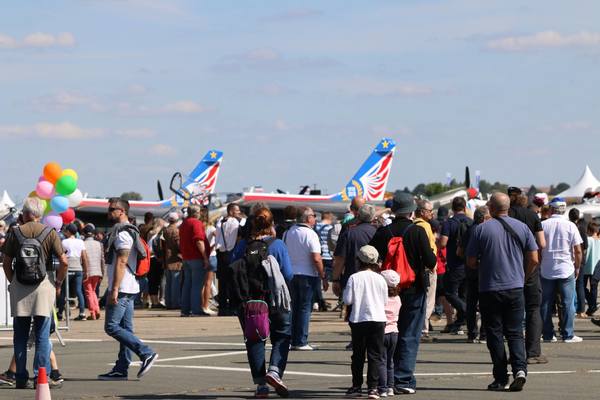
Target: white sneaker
(553,340)
(316,307)
(209,311)
(390,391)
(306,347)
(574,339)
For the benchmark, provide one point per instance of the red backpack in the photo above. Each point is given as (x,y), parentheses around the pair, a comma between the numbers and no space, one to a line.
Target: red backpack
(396,260)
(143,263)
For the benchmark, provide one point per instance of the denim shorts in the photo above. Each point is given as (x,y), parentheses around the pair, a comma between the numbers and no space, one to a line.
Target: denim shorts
(212,264)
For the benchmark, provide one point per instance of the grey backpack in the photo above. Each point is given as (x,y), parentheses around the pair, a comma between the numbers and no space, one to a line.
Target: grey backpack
(30,262)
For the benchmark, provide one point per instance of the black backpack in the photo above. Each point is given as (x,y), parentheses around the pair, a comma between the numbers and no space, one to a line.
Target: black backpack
(256,252)
(461,235)
(30,262)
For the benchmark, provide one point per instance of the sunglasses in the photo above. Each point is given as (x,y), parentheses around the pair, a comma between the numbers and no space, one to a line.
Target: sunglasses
(111,209)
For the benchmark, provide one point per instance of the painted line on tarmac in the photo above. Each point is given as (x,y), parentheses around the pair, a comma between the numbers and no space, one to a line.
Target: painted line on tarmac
(230,353)
(325,375)
(193,343)
(69,340)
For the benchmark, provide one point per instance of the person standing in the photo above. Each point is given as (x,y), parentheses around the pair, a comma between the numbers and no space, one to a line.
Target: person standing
(590,266)
(194,251)
(500,248)
(575,217)
(412,314)
(533,285)
(123,247)
(322,228)
(172,262)
(95,269)
(225,241)
(77,258)
(304,249)
(561,260)
(367,292)
(423,215)
(32,299)
(452,231)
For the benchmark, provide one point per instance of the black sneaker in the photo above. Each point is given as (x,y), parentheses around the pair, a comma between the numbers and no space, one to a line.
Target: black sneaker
(24,385)
(147,364)
(354,392)
(80,317)
(56,376)
(497,386)
(373,394)
(113,376)
(519,381)
(7,378)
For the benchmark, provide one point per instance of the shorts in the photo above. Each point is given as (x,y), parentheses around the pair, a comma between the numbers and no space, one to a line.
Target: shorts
(212,261)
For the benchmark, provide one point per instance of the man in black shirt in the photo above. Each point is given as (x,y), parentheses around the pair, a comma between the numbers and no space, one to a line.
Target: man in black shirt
(533,288)
(455,276)
(412,313)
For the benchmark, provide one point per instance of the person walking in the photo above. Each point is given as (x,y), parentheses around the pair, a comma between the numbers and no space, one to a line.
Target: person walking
(390,338)
(561,260)
(367,292)
(194,250)
(78,264)
(412,314)
(500,248)
(32,294)
(123,247)
(95,269)
(172,262)
(225,240)
(304,248)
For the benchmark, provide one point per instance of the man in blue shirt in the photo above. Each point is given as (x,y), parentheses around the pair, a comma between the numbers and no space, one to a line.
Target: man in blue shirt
(455,276)
(499,248)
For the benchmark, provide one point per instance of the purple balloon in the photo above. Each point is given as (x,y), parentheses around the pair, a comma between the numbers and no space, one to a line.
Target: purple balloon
(53,220)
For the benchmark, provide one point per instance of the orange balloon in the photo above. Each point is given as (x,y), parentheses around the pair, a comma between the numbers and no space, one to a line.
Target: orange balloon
(52,172)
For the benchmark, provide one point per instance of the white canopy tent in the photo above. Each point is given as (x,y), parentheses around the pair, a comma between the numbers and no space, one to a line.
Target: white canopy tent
(587,182)
(6,201)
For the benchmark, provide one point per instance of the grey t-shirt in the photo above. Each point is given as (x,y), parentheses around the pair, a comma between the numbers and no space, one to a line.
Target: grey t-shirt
(500,256)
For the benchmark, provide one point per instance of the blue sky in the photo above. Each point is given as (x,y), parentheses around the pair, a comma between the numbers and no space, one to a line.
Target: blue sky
(296,93)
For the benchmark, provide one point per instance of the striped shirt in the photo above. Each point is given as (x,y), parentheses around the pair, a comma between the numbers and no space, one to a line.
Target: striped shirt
(323,231)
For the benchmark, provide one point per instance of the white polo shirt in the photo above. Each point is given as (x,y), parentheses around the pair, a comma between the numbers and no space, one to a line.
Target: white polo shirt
(557,258)
(302,241)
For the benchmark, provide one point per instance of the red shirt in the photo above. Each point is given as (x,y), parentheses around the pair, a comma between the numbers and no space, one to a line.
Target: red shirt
(190,231)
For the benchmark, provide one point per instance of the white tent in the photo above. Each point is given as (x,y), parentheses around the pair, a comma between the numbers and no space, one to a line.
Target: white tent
(6,201)
(587,182)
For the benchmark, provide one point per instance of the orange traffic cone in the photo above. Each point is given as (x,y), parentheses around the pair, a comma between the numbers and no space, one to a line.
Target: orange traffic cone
(42,391)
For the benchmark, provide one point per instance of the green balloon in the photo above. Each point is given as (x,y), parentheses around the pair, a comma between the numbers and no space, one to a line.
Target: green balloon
(66,185)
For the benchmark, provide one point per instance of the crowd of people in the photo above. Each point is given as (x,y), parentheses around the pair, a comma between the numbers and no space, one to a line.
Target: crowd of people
(512,263)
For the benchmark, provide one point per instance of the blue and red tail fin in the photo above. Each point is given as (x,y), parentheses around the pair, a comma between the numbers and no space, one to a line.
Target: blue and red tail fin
(204,176)
(371,179)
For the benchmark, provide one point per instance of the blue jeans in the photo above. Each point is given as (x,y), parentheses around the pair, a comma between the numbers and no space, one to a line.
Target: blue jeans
(386,372)
(119,325)
(410,325)
(172,289)
(566,287)
(280,340)
(21,327)
(302,290)
(75,282)
(191,293)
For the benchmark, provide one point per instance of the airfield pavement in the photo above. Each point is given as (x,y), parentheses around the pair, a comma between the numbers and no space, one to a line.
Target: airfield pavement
(204,358)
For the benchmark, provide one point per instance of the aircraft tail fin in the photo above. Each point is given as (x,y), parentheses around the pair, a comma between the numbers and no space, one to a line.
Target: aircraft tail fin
(370,181)
(204,176)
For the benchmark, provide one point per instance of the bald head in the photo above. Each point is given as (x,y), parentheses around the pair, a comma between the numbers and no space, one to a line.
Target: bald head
(356,204)
(499,204)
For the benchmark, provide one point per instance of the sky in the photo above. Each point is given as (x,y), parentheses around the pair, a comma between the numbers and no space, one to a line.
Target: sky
(130,91)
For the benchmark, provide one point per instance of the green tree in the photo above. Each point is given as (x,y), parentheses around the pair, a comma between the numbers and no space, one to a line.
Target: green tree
(431,189)
(131,196)
(561,187)
(419,189)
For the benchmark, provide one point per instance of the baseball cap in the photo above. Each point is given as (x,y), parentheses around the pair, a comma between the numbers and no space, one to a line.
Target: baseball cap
(558,202)
(89,229)
(391,277)
(514,190)
(403,202)
(173,217)
(368,254)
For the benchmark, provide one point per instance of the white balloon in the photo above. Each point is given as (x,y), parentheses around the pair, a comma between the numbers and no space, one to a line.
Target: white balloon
(75,198)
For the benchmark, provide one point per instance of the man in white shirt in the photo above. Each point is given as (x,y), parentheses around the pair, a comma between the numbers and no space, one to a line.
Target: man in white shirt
(123,287)
(561,260)
(77,258)
(225,240)
(304,248)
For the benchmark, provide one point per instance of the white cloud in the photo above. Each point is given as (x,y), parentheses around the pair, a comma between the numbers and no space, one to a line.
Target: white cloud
(64,101)
(48,130)
(141,133)
(267,58)
(38,40)
(163,150)
(546,39)
(374,87)
(184,107)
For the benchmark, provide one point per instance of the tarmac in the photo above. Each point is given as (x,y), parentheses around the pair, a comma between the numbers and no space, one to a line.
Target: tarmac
(204,358)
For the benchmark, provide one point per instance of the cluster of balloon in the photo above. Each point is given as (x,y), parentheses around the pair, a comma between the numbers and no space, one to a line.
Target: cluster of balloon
(57,188)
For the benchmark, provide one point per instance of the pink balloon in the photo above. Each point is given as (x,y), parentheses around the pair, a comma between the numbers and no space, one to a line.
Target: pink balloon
(44,190)
(53,220)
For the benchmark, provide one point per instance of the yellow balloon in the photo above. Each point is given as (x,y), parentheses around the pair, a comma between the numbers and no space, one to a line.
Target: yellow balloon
(70,172)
